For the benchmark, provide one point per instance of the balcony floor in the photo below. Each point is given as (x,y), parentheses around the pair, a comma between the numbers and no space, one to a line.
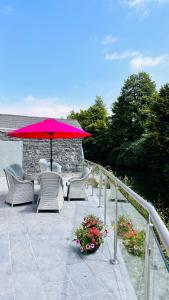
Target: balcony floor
(38,259)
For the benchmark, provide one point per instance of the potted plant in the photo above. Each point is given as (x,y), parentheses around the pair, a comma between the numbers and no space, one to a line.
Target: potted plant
(90,235)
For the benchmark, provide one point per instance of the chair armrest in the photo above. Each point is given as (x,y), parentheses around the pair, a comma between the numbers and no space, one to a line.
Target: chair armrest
(77,180)
(23,181)
(61,182)
(27,177)
(72,179)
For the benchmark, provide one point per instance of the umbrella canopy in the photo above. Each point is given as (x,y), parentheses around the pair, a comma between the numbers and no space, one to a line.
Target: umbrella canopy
(49,129)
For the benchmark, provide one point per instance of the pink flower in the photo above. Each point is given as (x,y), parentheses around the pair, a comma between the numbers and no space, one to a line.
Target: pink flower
(82,249)
(88,246)
(77,242)
(92,246)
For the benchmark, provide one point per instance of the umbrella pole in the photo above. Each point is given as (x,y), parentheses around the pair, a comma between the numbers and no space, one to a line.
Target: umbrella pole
(51,160)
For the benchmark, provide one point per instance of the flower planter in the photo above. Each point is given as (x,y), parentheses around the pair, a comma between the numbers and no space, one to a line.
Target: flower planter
(90,235)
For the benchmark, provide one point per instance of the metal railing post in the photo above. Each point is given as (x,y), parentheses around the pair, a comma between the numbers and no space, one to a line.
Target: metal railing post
(115,260)
(105,201)
(93,183)
(147,261)
(100,189)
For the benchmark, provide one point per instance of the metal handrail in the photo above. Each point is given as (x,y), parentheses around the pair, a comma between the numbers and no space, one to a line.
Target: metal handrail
(155,218)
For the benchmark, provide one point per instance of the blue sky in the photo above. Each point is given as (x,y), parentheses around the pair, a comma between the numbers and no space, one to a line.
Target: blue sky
(57,55)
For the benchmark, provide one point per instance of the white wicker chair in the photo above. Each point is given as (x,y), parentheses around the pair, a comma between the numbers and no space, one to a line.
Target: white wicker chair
(51,191)
(45,166)
(77,185)
(56,167)
(18,171)
(19,191)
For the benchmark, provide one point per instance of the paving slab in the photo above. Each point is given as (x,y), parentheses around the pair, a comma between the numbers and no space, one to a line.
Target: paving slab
(39,260)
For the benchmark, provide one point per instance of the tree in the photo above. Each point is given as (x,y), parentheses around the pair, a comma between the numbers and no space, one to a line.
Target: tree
(95,121)
(129,114)
(158,127)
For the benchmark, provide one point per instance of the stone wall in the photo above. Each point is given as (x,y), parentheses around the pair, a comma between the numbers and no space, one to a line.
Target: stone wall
(68,153)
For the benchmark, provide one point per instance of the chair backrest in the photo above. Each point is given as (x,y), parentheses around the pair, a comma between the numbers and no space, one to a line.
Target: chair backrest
(16,170)
(49,184)
(56,167)
(86,171)
(43,164)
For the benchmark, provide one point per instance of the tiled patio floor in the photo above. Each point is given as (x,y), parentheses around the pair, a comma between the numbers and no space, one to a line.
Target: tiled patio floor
(38,259)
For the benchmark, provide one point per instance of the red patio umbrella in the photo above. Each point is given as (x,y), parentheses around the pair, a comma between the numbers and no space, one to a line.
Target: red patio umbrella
(49,129)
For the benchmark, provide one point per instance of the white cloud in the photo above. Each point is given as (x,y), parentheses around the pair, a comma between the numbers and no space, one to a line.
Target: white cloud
(44,107)
(140,6)
(137,60)
(144,6)
(119,56)
(109,40)
(135,3)
(141,62)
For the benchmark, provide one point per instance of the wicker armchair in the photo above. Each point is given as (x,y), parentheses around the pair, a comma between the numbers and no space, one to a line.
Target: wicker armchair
(45,166)
(77,185)
(19,190)
(51,191)
(18,171)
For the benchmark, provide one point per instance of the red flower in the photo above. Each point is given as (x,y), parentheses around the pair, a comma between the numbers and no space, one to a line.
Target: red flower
(130,233)
(93,241)
(95,231)
(89,235)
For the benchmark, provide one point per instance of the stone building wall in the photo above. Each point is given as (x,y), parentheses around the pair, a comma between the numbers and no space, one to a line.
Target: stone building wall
(68,153)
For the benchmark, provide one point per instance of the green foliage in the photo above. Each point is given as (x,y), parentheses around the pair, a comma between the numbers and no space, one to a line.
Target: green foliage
(133,240)
(95,121)
(124,226)
(136,135)
(140,209)
(158,126)
(129,114)
(135,244)
(164,213)
(129,111)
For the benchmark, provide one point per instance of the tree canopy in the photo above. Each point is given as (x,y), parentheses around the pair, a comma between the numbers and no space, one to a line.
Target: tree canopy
(137,132)
(95,121)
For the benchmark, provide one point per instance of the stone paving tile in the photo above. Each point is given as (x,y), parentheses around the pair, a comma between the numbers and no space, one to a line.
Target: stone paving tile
(84,280)
(6,296)
(55,274)
(3,224)
(48,262)
(18,242)
(110,283)
(28,286)
(4,249)
(100,268)
(100,296)
(23,262)
(5,279)
(17,228)
(62,291)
